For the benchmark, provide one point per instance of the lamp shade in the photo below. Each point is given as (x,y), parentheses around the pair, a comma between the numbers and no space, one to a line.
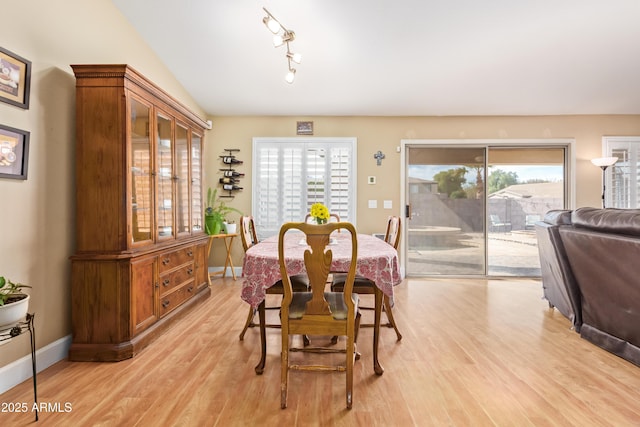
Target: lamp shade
(604,161)
(291,75)
(278,40)
(272,24)
(295,57)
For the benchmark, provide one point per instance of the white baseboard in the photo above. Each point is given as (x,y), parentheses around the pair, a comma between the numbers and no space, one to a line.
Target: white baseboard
(19,371)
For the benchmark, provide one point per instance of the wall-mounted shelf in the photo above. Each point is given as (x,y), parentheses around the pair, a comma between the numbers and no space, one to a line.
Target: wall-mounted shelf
(231,178)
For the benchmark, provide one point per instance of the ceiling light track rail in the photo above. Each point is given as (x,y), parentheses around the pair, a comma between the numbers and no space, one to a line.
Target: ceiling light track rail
(283,37)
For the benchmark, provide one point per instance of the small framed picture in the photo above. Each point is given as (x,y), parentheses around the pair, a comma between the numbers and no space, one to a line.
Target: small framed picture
(15,79)
(14,152)
(304,128)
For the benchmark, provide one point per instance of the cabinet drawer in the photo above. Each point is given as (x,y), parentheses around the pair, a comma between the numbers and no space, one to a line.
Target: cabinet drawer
(169,260)
(173,300)
(176,278)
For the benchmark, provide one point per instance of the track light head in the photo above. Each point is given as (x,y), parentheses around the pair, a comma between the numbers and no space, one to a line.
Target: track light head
(273,25)
(291,75)
(295,57)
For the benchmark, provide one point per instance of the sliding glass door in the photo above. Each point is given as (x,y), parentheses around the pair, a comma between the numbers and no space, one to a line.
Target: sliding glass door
(472,209)
(445,231)
(522,185)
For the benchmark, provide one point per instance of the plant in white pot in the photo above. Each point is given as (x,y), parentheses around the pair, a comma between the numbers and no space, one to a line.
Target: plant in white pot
(14,303)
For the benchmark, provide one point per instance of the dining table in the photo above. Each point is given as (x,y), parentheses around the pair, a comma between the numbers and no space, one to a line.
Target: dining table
(376,261)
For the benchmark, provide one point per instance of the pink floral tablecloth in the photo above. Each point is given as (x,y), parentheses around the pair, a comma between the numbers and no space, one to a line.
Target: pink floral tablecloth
(377,261)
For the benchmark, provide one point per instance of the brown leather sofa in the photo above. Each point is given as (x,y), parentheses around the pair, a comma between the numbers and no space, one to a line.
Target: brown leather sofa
(558,284)
(602,247)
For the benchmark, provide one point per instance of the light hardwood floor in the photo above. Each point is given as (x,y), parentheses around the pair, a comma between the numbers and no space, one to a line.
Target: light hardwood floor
(475,353)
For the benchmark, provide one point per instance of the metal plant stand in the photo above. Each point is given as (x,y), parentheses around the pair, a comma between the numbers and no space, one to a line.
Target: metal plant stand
(8,333)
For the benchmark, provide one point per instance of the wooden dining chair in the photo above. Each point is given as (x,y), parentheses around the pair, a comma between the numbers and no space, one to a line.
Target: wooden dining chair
(365,286)
(300,282)
(318,312)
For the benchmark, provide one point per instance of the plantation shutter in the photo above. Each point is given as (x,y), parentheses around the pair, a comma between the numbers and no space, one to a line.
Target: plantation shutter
(623,178)
(290,174)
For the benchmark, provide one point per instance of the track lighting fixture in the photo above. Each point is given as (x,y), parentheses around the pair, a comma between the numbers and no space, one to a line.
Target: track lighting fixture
(283,36)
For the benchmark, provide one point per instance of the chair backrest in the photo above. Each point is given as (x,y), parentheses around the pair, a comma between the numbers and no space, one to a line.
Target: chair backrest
(248,232)
(392,236)
(317,261)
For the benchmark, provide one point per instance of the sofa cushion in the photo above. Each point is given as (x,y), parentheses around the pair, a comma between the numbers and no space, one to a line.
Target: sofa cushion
(610,220)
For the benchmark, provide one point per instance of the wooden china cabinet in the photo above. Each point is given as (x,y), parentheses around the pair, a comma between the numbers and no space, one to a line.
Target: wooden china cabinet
(141,251)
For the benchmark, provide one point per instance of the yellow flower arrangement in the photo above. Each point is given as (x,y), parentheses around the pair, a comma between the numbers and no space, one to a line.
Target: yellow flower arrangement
(320,213)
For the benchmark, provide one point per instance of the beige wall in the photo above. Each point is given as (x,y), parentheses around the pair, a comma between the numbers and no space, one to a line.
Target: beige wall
(37,215)
(385,134)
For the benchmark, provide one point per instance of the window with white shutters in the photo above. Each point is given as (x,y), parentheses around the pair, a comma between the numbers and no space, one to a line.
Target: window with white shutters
(623,179)
(291,174)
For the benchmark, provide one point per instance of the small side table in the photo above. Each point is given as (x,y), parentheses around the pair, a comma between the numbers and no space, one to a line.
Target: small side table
(9,332)
(228,262)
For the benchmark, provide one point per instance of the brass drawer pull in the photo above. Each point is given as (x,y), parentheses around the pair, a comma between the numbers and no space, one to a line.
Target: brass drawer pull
(190,253)
(166,282)
(190,271)
(166,261)
(165,303)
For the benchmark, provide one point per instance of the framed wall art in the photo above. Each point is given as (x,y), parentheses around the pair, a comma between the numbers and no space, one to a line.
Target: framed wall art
(14,152)
(15,79)
(304,128)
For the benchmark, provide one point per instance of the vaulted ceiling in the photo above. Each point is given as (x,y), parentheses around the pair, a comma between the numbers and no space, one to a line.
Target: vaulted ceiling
(401,58)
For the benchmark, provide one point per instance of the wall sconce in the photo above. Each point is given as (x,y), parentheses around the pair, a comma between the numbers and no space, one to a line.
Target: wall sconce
(603,163)
(379,156)
(283,37)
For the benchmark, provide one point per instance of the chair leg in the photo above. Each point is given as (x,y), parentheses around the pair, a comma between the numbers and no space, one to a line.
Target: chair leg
(392,321)
(350,359)
(355,336)
(377,368)
(284,367)
(263,340)
(248,323)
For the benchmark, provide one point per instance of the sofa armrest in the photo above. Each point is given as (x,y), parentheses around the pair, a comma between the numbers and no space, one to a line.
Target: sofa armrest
(558,217)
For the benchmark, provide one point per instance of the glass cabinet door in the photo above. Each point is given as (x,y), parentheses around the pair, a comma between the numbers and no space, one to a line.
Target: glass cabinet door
(182,182)
(164,175)
(141,177)
(197,205)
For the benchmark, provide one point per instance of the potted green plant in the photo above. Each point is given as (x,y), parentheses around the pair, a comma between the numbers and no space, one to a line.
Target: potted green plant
(215,213)
(14,303)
